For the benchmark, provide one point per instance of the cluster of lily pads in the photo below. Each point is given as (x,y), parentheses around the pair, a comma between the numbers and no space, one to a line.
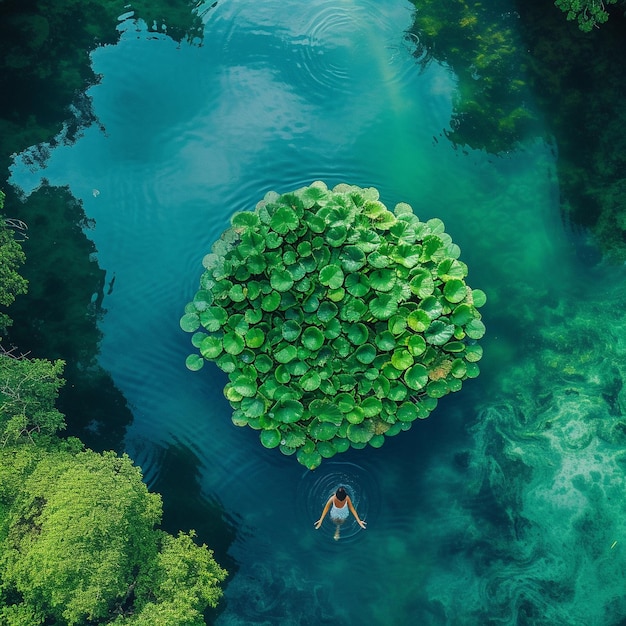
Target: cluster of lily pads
(338,321)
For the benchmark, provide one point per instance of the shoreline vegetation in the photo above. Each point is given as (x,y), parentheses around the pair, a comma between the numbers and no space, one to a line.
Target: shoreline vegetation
(87,515)
(555,64)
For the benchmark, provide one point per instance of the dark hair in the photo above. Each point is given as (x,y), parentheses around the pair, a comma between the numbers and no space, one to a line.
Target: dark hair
(341,494)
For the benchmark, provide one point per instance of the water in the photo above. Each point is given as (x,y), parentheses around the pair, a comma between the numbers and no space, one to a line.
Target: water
(504,506)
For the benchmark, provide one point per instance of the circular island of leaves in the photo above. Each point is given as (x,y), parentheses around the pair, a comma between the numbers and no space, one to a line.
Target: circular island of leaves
(337,321)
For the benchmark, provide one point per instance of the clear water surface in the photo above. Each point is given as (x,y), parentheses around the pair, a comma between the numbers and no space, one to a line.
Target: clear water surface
(506,506)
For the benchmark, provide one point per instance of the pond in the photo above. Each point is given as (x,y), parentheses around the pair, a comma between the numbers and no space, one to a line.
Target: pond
(505,506)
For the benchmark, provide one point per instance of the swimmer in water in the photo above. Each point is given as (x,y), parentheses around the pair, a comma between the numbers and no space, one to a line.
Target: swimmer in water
(341,507)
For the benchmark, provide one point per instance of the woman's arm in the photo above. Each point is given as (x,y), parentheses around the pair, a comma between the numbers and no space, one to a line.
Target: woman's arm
(360,522)
(321,519)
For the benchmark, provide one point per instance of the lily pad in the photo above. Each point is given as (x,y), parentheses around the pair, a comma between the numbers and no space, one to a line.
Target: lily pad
(312,338)
(190,322)
(288,411)
(194,362)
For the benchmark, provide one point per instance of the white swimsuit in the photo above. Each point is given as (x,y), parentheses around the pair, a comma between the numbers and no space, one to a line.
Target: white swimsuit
(339,514)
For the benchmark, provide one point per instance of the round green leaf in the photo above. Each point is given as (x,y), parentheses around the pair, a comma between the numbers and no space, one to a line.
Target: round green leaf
(233,343)
(312,338)
(255,338)
(357,285)
(331,276)
(473,353)
(407,412)
(422,284)
(454,346)
(287,353)
(361,433)
(326,311)
(454,290)
(451,268)
(418,320)
(475,329)
(385,341)
(282,375)
(310,460)
(252,407)
(402,359)
(416,345)
(437,388)
(263,363)
(366,353)
(432,307)
(270,302)
(190,322)
(326,449)
(416,377)
(322,431)
(326,411)
(288,411)
(345,402)
(472,370)
(245,386)
(371,406)
(310,381)
(358,334)
(352,258)
(213,318)
(270,438)
(382,279)
(281,280)
(462,314)
(211,347)
(383,306)
(284,220)
(438,332)
(478,297)
(459,368)
(194,362)
(291,330)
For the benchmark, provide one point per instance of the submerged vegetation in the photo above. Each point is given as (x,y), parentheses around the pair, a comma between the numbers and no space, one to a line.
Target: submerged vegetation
(522,71)
(337,320)
(492,109)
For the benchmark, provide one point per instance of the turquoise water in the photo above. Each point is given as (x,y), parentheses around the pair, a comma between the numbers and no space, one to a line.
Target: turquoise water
(504,507)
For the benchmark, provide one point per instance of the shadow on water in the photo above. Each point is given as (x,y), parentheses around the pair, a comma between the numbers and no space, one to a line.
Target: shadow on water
(58,318)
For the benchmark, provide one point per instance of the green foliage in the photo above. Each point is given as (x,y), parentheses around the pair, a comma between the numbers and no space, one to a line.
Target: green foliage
(360,319)
(588,13)
(28,392)
(79,544)
(483,48)
(181,582)
(11,257)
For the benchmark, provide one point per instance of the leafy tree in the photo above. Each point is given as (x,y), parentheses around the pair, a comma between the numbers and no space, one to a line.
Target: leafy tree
(80,545)
(11,257)
(588,13)
(28,392)
(338,321)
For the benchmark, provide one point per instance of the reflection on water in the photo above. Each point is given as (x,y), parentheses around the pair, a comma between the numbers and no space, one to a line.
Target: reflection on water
(465,510)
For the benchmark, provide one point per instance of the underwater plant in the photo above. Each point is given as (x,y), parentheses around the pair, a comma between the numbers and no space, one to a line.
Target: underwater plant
(338,321)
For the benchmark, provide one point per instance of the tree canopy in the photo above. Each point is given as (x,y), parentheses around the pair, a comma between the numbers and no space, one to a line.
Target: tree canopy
(588,13)
(80,544)
(11,257)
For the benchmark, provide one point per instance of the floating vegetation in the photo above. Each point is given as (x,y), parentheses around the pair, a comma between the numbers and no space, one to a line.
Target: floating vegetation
(337,320)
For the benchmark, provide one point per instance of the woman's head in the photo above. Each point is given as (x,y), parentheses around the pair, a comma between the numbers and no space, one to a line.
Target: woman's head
(341,493)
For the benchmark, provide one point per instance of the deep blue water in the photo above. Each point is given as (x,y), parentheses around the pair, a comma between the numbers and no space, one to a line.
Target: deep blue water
(505,505)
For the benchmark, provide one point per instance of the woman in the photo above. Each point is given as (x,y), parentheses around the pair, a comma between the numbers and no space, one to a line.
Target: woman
(341,507)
